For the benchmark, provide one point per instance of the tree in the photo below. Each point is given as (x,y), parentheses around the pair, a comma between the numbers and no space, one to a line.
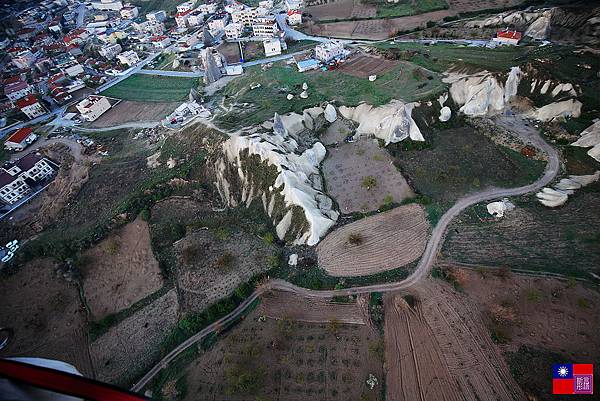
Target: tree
(355,239)
(334,326)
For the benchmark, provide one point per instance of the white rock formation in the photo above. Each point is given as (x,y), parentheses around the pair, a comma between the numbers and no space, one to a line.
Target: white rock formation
(481,94)
(304,86)
(590,137)
(304,95)
(557,196)
(445,114)
(545,88)
(330,113)
(293,259)
(540,28)
(497,209)
(289,96)
(443,99)
(566,108)
(294,182)
(391,122)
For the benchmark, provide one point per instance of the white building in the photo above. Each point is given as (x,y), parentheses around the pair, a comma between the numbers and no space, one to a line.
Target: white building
(187,6)
(247,16)
(20,139)
(113,5)
(265,27)
(17,90)
(268,4)
(195,18)
(93,107)
(13,184)
(234,30)
(31,107)
(156,17)
(272,47)
(129,12)
(128,58)
(327,51)
(208,8)
(160,42)
(218,24)
(110,51)
(72,69)
(507,37)
(294,4)
(294,17)
(182,19)
(23,59)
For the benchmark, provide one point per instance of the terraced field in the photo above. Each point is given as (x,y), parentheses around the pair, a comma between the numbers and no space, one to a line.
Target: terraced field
(375,244)
(284,305)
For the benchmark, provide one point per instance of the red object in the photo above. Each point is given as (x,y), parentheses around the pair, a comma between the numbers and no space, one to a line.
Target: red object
(563,386)
(292,12)
(583,369)
(64,383)
(509,35)
(20,135)
(26,101)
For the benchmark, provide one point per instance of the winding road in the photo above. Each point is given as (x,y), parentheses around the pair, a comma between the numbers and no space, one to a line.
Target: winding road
(525,132)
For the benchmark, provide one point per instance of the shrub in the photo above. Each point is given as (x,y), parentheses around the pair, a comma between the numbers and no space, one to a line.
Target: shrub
(369,182)
(113,246)
(269,238)
(355,239)
(225,261)
(145,214)
(533,295)
(190,253)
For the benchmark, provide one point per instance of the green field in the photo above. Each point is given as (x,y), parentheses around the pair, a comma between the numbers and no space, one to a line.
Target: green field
(408,7)
(401,83)
(152,88)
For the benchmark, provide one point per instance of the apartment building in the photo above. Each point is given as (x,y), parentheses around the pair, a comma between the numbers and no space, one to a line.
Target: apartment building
(109,52)
(16,180)
(234,30)
(272,47)
(325,52)
(156,17)
(31,107)
(265,27)
(93,107)
(129,58)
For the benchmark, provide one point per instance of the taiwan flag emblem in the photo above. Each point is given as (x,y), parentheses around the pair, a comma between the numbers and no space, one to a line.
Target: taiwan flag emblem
(572,378)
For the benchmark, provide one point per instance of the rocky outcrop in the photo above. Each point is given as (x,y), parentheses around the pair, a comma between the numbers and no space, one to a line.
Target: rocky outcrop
(268,167)
(540,28)
(590,138)
(558,196)
(566,108)
(391,122)
(483,93)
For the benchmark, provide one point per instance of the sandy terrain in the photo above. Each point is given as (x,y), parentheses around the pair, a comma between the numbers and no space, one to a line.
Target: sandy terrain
(129,348)
(388,240)
(348,164)
(120,270)
(46,315)
(362,66)
(288,361)
(284,305)
(444,339)
(129,111)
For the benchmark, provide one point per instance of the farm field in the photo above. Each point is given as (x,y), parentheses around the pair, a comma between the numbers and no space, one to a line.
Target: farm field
(348,165)
(531,235)
(451,346)
(375,244)
(339,10)
(387,21)
(457,161)
(533,319)
(120,270)
(127,111)
(363,66)
(261,103)
(286,359)
(152,88)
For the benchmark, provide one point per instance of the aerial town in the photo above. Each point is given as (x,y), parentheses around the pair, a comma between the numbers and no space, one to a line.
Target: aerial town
(281,200)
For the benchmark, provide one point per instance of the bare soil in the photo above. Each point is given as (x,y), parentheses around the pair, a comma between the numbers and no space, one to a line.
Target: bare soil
(442,339)
(211,264)
(130,348)
(348,164)
(288,360)
(284,305)
(127,111)
(120,270)
(46,315)
(375,244)
(362,66)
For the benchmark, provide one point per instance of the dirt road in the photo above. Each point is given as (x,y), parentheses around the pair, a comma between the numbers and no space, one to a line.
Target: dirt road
(422,270)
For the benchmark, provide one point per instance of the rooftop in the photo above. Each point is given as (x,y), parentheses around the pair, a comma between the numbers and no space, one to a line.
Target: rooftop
(20,135)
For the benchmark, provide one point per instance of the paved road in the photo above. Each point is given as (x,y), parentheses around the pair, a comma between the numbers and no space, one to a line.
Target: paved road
(434,244)
(133,124)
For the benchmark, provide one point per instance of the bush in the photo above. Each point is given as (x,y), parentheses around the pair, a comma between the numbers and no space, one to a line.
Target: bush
(225,261)
(113,246)
(369,182)
(355,239)
(269,238)
(145,214)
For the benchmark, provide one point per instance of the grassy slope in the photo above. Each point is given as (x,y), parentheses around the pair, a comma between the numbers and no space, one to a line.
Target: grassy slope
(150,88)
(280,80)
(408,7)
